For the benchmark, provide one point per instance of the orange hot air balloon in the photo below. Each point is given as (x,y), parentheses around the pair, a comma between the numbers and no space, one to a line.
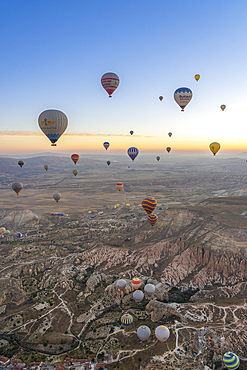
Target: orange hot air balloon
(197,77)
(152,219)
(223,107)
(119,185)
(75,158)
(149,204)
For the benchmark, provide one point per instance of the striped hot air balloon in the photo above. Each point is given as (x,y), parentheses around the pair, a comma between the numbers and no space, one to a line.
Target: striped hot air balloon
(126,320)
(21,163)
(149,205)
(152,219)
(75,158)
(136,283)
(133,153)
(119,186)
(53,123)
(106,145)
(231,361)
(110,82)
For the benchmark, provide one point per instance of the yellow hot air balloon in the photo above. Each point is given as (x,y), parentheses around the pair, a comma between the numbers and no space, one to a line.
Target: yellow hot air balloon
(214,147)
(223,107)
(75,172)
(46,167)
(197,77)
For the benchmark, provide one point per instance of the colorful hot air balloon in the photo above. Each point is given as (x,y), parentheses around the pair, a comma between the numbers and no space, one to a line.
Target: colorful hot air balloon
(6,233)
(136,283)
(214,147)
(152,219)
(138,296)
(168,149)
(131,132)
(160,98)
(108,162)
(223,107)
(182,97)
(75,172)
(126,320)
(17,186)
(158,158)
(46,167)
(106,145)
(170,134)
(75,158)
(19,235)
(2,229)
(119,186)
(21,163)
(121,284)
(133,153)
(162,333)
(197,77)
(57,196)
(53,123)
(149,289)
(110,82)
(231,361)
(143,332)
(149,204)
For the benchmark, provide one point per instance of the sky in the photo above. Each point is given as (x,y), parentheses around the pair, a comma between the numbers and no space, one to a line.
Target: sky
(53,54)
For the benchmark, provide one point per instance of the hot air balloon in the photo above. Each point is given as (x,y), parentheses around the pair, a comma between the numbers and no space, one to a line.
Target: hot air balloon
(149,204)
(170,134)
(160,98)
(121,284)
(75,172)
(17,186)
(182,97)
(168,149)
(106,145)
(149,289)
(110,82)
(1,236)
(119,186)
(138,295)
(46,167)
(152,219)
(57,196)
(214,147)
(162,333)
(131,132)
(108,162)
(6,233)
(133,153)
(2,229)
(19,235)
(53,123)
(143,332)
(231,361)
(158,158)
(35,217)
(21,163)
(223,107)
(197,77)
(136,283)
(126,320)
(75,158)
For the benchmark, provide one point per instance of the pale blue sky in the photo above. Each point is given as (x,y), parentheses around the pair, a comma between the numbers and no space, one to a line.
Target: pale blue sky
(53,54)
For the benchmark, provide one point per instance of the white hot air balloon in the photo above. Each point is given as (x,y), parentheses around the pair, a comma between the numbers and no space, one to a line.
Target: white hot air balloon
(53,123)
(35,218)
(162,333)
(149,289)
(57,196)
(138,295)
(110,82)
(143,332)
(121,284)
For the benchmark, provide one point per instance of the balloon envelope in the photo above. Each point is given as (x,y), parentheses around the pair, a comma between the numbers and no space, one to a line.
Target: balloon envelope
(75,158)
(35,218)
(182,96)
(136,283)
(162,333)
(133,153)
(231,361)
(119,185)
(2,229)
(19,235)
(106,145)
(138,295)
(126,320)
(110,82)
(21,163)
(160,98)
(17,186)
(46,167)
(121,284)
(108,162)
(223,107)
(143,332)
(158,158)
(170,134)
(214,147)
(57,196)
(168,149)
(149,204)
(131,132)
(197,77)
(152,219)
(149,289)
(75,172)
(53,123)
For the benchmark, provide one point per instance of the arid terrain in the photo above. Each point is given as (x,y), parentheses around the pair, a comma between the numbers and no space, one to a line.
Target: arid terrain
(58,291)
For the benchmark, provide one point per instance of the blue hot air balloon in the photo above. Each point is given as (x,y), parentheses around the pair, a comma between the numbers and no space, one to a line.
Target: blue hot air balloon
(133,153)
(182,97)
(106,145)
(231,361)
(19,235)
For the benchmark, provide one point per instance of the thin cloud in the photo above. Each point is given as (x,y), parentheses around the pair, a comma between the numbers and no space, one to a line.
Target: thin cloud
(30,133)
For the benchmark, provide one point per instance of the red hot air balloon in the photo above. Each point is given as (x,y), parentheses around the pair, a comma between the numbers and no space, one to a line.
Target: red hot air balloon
(110,82)
(149,204)
(75,158)
(136,283)
(119,186)
(152,219)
